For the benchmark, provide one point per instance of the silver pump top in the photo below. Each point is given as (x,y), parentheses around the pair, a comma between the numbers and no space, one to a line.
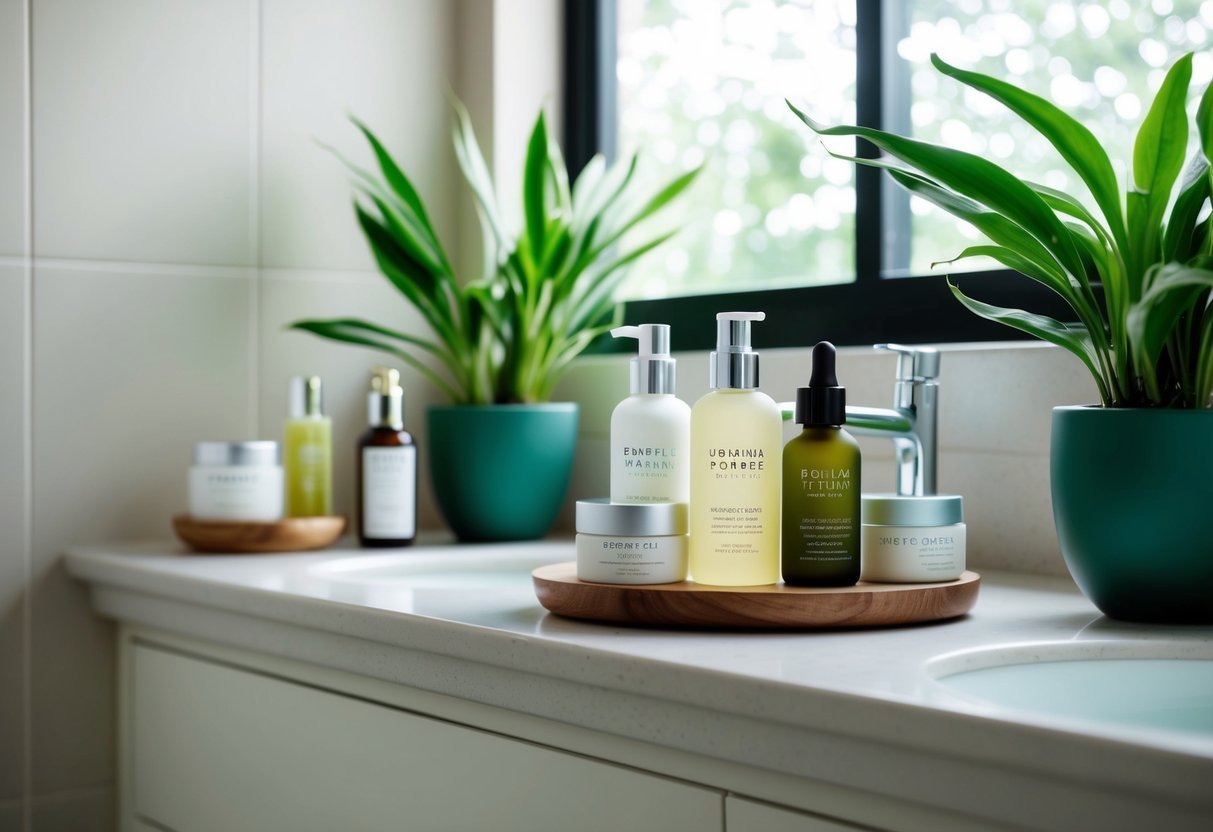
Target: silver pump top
(305,397)
(385,402)
(734,364)
(652,371)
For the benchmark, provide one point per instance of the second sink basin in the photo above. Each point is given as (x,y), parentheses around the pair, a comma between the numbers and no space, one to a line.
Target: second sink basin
(1165,686)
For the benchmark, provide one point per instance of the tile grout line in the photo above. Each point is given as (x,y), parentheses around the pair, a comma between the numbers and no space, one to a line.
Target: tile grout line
(27,431)
(255,155)
(211,272)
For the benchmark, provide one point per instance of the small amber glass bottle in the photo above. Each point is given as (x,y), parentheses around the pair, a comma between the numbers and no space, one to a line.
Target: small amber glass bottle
(821,517)
(387,468)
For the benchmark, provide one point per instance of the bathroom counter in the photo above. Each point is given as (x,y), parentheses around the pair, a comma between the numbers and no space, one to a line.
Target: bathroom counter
(851,710)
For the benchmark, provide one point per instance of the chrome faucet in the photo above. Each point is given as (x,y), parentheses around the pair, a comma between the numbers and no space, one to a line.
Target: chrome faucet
(911,423)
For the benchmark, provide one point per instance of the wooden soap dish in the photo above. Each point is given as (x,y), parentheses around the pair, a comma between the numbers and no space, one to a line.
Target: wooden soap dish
(225,537)
(756,607)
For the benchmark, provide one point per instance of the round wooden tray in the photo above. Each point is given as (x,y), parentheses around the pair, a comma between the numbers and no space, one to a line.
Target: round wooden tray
(760,607)
(291,534)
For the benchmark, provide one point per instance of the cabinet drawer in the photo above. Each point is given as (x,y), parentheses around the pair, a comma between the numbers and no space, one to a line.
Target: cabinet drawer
(218,749)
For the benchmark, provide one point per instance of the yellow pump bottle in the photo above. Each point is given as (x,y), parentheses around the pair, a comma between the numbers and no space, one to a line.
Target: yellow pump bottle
(736,467)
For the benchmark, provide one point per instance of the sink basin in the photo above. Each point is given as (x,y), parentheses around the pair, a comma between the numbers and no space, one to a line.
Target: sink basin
(1160,686)
(464,567)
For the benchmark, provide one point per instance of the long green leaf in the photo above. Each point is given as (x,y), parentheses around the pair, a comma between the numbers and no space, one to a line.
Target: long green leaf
(534,187)
(1077,341)
(403,187)
(410,278)
(1177,243)
(407,238)
(376,190)
(655,203)
(586,182)
(1172,290)
(1008,257)
(341,330)
(998,228)
(974,177)
(1203,391)
(496,242)
(1076,144)
(1064,203)
(1204,122)
(1158,155)
(593,303)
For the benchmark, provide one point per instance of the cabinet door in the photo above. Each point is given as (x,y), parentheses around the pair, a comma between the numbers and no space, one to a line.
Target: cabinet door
(218,749)
(743,815)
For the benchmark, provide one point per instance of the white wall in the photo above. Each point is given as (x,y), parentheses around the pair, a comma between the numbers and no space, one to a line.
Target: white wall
(179,212)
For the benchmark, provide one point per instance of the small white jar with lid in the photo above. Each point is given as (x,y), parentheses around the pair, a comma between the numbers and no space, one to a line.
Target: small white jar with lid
(911,539)
(236,481)
(631,543)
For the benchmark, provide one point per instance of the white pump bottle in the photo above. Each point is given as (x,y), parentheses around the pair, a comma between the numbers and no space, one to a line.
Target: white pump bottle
(651,428)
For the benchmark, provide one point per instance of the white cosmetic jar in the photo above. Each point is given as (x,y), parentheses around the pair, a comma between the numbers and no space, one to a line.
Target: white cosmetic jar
(631,543)
(236,481)
(911,539)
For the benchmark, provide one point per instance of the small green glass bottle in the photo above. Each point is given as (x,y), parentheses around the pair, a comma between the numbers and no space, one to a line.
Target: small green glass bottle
(821,485)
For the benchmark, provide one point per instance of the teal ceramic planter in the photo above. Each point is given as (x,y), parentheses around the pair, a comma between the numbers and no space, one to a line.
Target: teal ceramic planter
(1133,504)
(500,472)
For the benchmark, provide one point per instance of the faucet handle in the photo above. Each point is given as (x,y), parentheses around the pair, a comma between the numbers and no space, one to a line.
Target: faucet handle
(914,363)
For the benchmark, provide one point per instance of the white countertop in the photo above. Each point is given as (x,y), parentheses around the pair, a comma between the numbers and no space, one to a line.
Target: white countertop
(748,697)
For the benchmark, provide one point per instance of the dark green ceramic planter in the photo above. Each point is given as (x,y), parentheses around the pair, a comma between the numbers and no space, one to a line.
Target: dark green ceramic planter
(500,472)
(1133,503)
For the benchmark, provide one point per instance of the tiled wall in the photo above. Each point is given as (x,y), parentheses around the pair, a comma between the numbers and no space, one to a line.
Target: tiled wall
(179,212)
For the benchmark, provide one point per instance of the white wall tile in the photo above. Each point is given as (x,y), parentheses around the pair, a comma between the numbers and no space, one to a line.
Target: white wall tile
(344,368)
(130,370)
(1003,399)
(384,61)
(14,545)
(12,135)
(143,130)
(1008,510)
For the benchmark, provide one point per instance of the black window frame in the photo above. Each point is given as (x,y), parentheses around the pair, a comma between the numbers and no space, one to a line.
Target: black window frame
(874,308)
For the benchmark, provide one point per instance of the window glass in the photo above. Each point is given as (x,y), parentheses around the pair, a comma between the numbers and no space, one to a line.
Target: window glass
(1102,61)
(704,81)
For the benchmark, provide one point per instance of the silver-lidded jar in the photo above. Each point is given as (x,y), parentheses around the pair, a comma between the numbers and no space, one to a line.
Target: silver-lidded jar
(912,539)
(631,543)
(236,481)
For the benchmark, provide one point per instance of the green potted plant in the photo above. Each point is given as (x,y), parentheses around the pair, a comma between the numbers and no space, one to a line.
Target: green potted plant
(500,455)
(1132,478)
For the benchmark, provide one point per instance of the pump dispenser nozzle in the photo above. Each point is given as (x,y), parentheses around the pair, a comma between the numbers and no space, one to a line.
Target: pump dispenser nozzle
(652,371)
(385,402)
(734,364)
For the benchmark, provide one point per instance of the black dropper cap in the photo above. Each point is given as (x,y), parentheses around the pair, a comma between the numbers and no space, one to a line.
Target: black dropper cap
(823,403)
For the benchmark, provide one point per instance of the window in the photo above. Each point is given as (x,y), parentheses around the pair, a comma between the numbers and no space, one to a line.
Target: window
(776,224)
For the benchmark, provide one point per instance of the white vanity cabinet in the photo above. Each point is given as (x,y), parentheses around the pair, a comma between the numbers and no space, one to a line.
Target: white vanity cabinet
(271,694)
(217,748)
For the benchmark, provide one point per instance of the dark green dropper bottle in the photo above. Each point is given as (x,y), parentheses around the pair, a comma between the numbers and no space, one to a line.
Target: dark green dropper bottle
(821,484)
